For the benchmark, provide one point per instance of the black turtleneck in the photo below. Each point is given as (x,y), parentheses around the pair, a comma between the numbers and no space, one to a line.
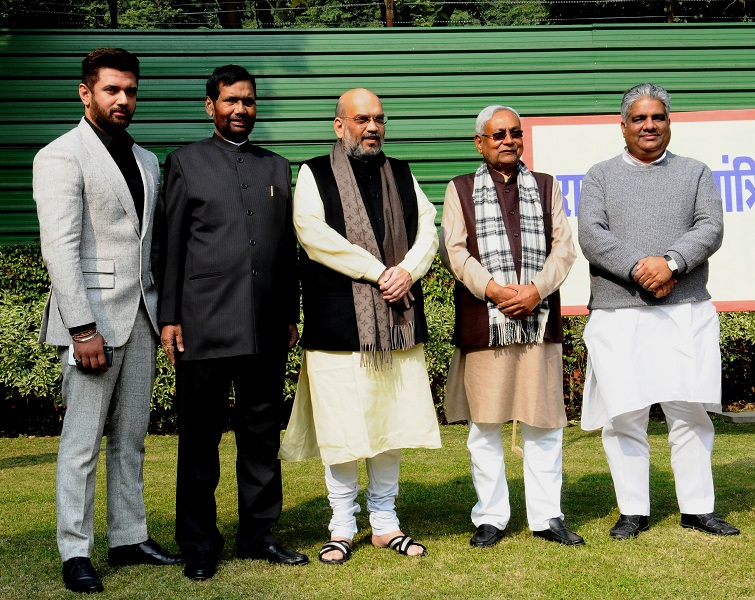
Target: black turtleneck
(367,175)
(119,147)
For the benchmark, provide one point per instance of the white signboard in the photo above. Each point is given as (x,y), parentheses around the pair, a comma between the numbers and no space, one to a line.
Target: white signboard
(567,147)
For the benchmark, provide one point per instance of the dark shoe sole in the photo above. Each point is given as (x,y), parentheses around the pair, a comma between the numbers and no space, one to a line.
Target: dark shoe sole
(696,528)
(559,540)
(487,544)
(628,536)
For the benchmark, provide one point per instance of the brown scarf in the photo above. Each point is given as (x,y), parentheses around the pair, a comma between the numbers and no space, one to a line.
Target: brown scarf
(382,327)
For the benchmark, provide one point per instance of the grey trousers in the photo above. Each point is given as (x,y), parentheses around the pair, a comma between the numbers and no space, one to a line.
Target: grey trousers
(115,403)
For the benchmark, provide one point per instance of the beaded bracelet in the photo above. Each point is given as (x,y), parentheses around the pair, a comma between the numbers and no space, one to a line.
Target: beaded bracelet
(85,336)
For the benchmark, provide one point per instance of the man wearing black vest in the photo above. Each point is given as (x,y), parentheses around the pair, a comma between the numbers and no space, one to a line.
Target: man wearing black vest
(507,242)
(367,235)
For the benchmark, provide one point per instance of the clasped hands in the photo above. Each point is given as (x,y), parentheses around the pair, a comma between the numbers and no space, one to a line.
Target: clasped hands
(654,275)
(514,300)
(395,283)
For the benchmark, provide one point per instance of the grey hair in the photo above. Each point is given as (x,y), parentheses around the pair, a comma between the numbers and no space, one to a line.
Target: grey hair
(649,90)
(487,113)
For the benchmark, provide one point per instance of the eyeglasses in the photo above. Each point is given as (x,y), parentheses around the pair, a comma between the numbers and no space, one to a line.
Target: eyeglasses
(499,136)
(362,120)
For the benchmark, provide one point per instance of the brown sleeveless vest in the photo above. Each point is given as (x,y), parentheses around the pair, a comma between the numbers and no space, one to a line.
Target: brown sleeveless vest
(472,329)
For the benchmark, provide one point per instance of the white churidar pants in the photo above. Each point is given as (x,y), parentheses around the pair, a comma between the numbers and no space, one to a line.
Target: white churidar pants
(690,437)
(542,475)
(382,489)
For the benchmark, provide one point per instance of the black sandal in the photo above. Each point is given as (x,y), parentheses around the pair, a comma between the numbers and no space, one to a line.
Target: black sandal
(341,546)
(401,544)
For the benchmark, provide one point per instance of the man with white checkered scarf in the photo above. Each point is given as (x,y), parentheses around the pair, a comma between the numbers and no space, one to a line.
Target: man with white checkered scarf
(506,240)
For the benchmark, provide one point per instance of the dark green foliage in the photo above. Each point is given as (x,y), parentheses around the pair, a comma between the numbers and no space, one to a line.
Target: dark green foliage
(737,357)
(22,272)
(254,14)
(575,365)
(438,288)
(30,373)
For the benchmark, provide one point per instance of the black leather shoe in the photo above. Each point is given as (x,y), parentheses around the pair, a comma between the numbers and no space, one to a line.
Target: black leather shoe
(79,576)
(277,554)
(629,526)
(146,553)
(486,535)
(557,532)
(200,566)
(709,523)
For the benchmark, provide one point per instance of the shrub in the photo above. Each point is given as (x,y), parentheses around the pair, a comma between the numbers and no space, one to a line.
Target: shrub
(29,371)
(438,288)
(737,357)
(30,379)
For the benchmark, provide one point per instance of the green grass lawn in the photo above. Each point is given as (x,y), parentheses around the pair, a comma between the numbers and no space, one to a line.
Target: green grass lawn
(434,504)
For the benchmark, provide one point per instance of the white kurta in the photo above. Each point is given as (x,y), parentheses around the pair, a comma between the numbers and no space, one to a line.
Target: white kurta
(343,411)
(523,382)
(640,356)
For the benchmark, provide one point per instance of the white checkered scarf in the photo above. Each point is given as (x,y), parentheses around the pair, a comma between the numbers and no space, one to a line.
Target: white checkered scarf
(497,258)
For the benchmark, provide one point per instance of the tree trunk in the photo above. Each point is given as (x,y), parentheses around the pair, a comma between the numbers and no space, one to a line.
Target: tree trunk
(231,14)
(113,6)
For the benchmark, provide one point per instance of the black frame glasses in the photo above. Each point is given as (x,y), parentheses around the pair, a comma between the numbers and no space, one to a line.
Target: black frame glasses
(499,136)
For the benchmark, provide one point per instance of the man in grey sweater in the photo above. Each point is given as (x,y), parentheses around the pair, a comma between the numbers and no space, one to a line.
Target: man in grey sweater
(648,222)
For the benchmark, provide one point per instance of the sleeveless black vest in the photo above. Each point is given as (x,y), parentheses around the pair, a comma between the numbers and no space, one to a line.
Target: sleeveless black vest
(329,319)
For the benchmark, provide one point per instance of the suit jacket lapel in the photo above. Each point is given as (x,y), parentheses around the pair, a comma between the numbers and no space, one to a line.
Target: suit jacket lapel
(110,170)
(149,190)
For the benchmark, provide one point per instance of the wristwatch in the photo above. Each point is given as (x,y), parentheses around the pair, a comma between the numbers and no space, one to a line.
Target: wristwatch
(671,264)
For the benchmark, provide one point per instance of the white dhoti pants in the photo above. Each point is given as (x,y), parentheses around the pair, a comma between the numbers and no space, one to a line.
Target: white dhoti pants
(382,490)
(690,438)
(542,475)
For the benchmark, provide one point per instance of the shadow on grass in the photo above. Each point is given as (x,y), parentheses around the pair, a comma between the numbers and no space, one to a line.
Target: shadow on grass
(426,512)
(27,460)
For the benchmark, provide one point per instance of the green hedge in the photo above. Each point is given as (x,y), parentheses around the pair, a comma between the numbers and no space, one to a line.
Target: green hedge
(30,400)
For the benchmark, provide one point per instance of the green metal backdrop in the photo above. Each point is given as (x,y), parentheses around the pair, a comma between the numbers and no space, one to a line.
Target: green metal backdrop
(433,82)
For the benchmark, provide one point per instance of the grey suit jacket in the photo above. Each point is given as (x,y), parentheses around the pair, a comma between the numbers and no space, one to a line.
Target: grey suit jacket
(97,256)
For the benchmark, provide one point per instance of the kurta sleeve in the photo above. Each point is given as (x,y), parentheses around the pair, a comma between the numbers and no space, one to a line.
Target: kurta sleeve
(562,256)
(321,242)
(422,252)
(453,251)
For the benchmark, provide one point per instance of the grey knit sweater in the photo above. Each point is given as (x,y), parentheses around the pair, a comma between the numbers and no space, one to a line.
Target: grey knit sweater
(628,212)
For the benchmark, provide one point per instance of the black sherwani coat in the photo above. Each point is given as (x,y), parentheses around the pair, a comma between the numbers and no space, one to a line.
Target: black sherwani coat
(228,276)
(228,254)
